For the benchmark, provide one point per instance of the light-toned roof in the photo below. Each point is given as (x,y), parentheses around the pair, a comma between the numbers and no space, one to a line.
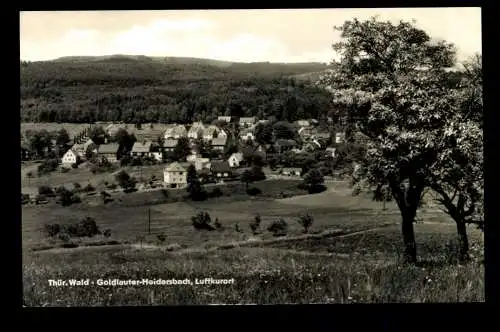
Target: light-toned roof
(237,155)
(108,148)
(177,130)
(219,141)
(175,167)
(303,123)
(142,147)
(291,169)
(170,143)
(247,120)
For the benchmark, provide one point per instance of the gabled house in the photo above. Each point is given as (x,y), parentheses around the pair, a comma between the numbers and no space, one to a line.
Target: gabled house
(247,121)
(219,143)
(82,148)
(220,170)
(221,133)
(235,159)
(69,158)
(330,152)
(340,137)
(210,132)
(175,132)
(196,130)
(175,175)
(224,118)
(247,135)
(303,123)
(169,144)
(305,132)
(142,149)
(108,152)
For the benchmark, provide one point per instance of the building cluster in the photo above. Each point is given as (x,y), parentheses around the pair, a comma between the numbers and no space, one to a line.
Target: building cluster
(311,139)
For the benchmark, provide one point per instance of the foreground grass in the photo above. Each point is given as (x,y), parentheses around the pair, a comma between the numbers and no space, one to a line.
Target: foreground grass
(262,276)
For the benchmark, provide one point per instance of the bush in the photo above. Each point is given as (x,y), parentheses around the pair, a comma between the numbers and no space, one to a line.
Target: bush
(52,229)
(46,191)
(64,237)
(107,233)
(164,192)
(111,186)
(64,170)
(85,228)
(74,165)
(216,192)
(77,187)
(305,221)
(161,237)
(202,221)
(316,189)
(89,188)
(217,224)
(254,191)
(40,199)
(255,224)
(278,228)
(25,198)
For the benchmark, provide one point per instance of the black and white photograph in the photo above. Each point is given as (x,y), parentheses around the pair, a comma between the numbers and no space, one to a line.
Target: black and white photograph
(260,156)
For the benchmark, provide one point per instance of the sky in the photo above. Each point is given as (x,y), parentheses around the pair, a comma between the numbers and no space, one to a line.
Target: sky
(281,35)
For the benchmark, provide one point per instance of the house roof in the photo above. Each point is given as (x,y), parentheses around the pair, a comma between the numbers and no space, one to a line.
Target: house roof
(219,141)
(175,167)
(322,135)
(141,147)
(210,130)
(291,169)
(88,143)
(220,166)
(225,118)
(176,130)
(237,155)
(303,123)
(71,151)
(247,120)
(170,143)
(109,148)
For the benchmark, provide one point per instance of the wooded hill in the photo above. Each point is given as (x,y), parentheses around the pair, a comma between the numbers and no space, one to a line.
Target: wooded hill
(152,89)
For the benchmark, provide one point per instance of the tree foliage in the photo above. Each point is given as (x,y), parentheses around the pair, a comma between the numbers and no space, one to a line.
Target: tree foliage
(390,81)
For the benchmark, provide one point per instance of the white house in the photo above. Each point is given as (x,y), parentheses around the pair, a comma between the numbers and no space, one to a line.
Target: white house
(196,130)
(339,137)
(235,159)
(69,158)
(247,135)
(175,175)
(210,132)
(330,152)
(175,132)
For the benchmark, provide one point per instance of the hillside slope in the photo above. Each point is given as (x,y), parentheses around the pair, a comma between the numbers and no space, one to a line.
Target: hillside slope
(153,89)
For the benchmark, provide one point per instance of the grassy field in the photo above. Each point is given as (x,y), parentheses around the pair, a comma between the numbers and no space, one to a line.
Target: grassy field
(146,132)
(351,254)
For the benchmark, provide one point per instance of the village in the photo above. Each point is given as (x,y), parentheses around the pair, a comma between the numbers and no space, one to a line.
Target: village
(220,152)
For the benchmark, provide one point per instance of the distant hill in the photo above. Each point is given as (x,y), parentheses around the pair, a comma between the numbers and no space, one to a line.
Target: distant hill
(136,88)
(237,66)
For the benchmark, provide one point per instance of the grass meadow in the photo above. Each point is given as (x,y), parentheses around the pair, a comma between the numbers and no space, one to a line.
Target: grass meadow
(351,253)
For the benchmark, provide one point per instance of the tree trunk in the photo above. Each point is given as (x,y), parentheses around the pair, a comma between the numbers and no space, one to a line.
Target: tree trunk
(410,245)
(463,241)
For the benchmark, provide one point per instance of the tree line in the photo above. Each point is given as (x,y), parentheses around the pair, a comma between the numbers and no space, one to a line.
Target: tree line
(143,92)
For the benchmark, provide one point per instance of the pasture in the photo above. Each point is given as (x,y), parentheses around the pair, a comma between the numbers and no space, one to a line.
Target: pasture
(350,254)
(145,133)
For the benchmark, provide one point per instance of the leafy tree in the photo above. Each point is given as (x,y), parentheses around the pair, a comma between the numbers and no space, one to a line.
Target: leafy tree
(202,221)
(194,186)
(39,141)
(255,224)
(458,176)
(278,228)
(247,177)
(97,135)
(62,140)
(314,181)
(264,133)
(125,181)
(182,149)
(283,130)
(389,80)
(125,141)
(306,221)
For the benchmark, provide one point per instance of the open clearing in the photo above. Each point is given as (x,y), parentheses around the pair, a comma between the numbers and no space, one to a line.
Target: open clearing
(350,256)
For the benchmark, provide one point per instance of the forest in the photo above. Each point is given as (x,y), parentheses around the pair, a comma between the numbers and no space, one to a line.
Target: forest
(144,90)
